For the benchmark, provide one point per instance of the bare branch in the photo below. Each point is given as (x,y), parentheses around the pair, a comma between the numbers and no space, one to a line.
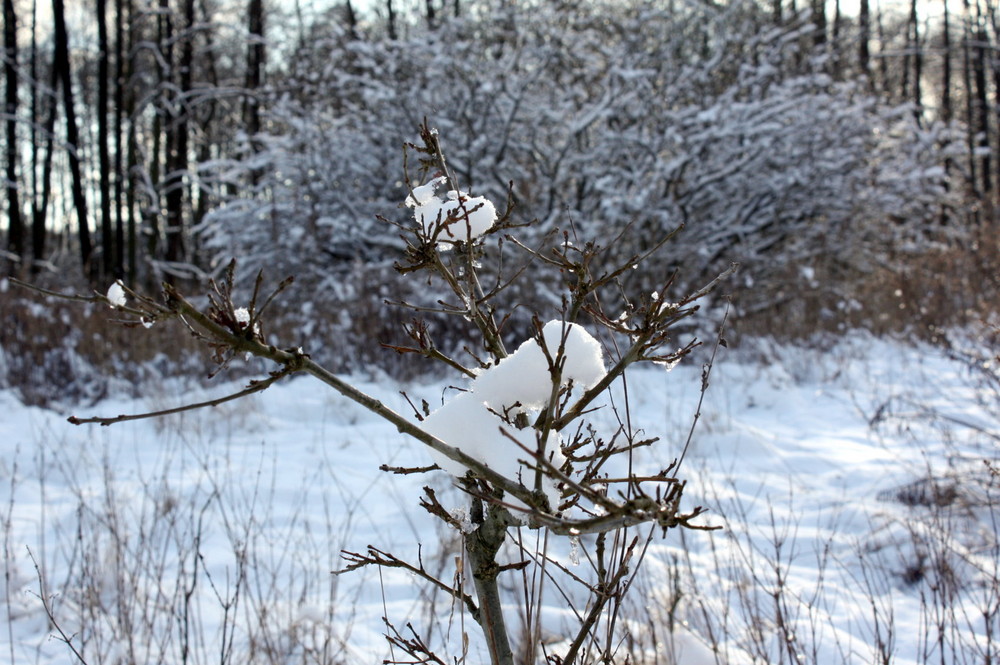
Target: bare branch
(377,557)
(254,387)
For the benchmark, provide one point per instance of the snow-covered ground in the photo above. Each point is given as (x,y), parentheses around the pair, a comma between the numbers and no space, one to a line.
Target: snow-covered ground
(212,535)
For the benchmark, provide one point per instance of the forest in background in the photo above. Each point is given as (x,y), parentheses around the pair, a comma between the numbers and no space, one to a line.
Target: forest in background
(846,159)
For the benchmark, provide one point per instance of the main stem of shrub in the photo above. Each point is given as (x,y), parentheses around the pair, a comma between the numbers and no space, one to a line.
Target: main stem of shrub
(482,546)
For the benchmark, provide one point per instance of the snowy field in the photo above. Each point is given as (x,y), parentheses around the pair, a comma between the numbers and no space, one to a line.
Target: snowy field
(859,521)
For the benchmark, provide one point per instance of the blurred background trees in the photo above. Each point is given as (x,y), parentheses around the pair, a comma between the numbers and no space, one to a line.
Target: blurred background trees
(823,146)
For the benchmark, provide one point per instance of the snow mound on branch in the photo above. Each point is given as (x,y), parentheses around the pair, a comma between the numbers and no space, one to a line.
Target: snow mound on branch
(116,295)
(475,422)
(524,376)
(467,423)
(455,217)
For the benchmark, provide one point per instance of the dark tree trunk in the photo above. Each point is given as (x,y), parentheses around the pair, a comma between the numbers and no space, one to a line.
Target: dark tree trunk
(883,62)
(41,189)
(946,105)
(118,261)
(255,68)
(254,80)
(206,120)
(970,115)
(177,146)
(980,62)
(918,62)
(15,224)
(864,37)
(819,19)
(391,19)
(352,19)
(103,149)
(431,14)
(913,61)
(161,136)
(61,65)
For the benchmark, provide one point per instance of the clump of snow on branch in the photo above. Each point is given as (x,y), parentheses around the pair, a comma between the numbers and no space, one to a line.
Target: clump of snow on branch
(116,295)
(242,316)
(474,421)
(453,217)
(524,376)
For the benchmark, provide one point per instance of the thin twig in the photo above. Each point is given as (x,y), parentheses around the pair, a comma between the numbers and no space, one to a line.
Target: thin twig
(254,387)
(47,608)
(603,596)
(705,375)
(377,557)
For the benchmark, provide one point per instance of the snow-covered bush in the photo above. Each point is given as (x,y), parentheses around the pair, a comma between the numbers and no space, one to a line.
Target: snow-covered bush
(620,118)
(518,439)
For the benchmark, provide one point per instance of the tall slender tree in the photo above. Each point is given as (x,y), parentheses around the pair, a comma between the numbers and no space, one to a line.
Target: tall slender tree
(946,103)
(390,12)
(103,134)
(41,160)
(431,14)
(15,223)
(119,147)
(351,18)
(980,62)
(254,79)
(177,143)
(61,65)
(864,40)
(970,115)
(818,9)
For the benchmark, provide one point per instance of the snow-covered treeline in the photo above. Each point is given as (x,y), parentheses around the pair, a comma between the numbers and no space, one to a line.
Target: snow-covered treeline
(632,119)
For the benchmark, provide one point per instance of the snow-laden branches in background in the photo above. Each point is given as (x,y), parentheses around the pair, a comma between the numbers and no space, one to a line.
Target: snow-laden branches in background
(628,117)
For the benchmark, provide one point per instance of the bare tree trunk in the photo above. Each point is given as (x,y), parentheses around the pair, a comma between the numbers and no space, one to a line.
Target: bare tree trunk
(177,146)
(152,211)
(913,62)
(982,104)
(391,19)
(946,110)
(482,546)
(255,67)
(819,20)
(864,38)
(883,62)
(121,177)
(15,224)
(352,19)
(40,190)
(62,66)
(970,116)
(918,61)
(431,14)
(103,149)
(254,80)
